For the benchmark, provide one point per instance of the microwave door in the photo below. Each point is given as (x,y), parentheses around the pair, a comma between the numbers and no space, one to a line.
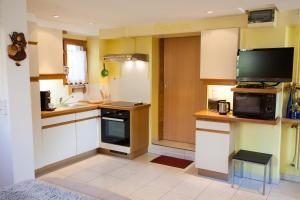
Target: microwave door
(247,105)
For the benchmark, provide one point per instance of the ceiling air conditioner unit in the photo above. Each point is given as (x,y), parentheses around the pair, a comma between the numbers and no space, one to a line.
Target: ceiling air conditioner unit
(262,18)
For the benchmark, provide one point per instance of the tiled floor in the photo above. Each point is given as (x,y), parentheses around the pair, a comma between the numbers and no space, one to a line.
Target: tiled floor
(106,177)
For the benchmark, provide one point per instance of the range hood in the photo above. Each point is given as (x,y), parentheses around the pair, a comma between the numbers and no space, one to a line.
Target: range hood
(126,57)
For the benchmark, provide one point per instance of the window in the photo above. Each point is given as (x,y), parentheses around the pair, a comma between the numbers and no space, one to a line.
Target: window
(75,61)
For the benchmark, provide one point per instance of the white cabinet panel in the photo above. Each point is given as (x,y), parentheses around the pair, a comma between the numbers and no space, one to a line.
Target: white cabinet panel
(217,126)
(92,113)
(50,47)
(59,143)
(58,119)
(33,60)
(212,151)
(218,53)
(36,124)
(87,135)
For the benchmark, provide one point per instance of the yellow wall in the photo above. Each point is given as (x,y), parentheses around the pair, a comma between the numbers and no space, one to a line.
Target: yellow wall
(74,37)
(93,57)
(265,138)
(155,89)
(193,26)
(147,45)
(288,137)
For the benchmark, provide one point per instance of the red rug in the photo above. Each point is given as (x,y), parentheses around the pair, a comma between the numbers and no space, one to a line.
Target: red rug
(173,162)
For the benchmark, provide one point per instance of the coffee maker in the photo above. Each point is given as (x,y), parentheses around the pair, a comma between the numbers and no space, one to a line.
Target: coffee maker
(45,100)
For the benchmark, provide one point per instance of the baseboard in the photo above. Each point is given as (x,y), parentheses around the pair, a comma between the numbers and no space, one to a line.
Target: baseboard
(288,177)
(61,164)
(213,174)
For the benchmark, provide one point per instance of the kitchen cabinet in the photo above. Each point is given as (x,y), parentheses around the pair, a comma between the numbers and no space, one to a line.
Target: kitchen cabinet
(87,131)
(59,143)
(33,49)
(69,135)
(50,51)
(214,146)
(33,60)
(218,54)
(87,136)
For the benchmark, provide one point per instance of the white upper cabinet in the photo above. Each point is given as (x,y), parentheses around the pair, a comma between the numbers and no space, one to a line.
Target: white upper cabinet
(218,54)
(50,49)
(33,50)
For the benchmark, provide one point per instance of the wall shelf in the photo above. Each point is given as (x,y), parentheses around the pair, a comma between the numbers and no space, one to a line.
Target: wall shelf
(214,116)
(290,121)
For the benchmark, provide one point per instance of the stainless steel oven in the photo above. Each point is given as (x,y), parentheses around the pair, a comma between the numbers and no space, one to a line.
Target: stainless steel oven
(115,126)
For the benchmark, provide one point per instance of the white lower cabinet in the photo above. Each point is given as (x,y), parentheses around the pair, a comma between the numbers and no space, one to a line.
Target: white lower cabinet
(87,135)
(214,145)
(59,143)
(69,135)
(212,151)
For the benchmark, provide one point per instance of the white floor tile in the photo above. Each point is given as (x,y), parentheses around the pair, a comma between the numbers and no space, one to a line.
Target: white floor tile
(104,181)
(190,188)
(167,181)
(244,195)
(175,196)
(217,191)
(287,188)
(68,171)
(83,176)
(281,196)
(123,173)
(107,177)
(150,192)
(255,186)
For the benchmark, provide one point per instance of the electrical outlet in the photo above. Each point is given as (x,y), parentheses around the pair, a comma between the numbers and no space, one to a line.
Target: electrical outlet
(3,107)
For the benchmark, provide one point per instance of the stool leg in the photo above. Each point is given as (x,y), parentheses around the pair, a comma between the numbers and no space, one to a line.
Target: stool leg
(233,170)
(270,172)
(241,169)
(264,186)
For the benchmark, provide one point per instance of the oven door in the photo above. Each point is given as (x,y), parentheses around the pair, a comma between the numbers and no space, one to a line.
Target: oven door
(115,131)
(247,105)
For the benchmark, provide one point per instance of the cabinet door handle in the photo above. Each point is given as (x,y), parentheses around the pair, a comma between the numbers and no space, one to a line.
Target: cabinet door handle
(113,119)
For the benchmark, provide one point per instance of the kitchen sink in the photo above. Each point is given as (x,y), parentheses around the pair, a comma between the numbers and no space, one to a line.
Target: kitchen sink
(73,105)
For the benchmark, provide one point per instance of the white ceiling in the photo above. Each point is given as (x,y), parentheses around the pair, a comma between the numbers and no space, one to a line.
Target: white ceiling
(120,13)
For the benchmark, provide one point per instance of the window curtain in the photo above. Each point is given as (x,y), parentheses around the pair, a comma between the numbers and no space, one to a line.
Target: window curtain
(77,65)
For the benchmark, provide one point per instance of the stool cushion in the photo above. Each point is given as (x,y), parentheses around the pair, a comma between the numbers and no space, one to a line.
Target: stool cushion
(252,156)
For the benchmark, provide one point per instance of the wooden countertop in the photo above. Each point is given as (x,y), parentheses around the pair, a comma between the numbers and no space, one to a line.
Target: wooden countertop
(87,107)
(123,107)
(214,116)
(290,121)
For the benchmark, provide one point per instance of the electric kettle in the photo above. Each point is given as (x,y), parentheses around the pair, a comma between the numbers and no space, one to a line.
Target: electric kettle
(223,107)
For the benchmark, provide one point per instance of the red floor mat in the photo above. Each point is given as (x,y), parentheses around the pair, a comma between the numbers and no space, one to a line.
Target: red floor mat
(173,162)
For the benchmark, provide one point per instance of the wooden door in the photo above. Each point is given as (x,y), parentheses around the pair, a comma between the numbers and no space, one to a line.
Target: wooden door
(182,88)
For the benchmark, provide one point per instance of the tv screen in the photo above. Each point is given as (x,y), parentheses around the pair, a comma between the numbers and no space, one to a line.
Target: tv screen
(265,65)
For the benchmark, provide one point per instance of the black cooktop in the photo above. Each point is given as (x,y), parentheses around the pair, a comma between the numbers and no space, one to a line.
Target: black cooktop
(126,103)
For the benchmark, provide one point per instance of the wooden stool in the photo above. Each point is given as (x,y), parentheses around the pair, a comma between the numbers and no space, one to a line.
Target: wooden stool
(254,158)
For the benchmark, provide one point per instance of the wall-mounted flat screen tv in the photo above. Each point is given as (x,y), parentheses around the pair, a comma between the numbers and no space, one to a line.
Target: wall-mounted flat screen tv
(265,65)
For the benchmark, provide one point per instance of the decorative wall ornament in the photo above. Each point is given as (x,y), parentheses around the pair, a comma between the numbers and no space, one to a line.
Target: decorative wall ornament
(16,50)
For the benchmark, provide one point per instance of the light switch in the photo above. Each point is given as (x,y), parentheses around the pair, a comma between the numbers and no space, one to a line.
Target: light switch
(3,107)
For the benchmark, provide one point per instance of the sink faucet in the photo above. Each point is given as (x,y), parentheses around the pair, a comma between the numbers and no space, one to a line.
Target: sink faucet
(62,102)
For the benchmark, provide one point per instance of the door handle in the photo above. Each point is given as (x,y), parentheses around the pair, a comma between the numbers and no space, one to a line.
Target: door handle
(113,119)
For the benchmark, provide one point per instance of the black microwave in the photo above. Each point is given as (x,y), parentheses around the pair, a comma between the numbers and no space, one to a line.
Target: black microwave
(254,105)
